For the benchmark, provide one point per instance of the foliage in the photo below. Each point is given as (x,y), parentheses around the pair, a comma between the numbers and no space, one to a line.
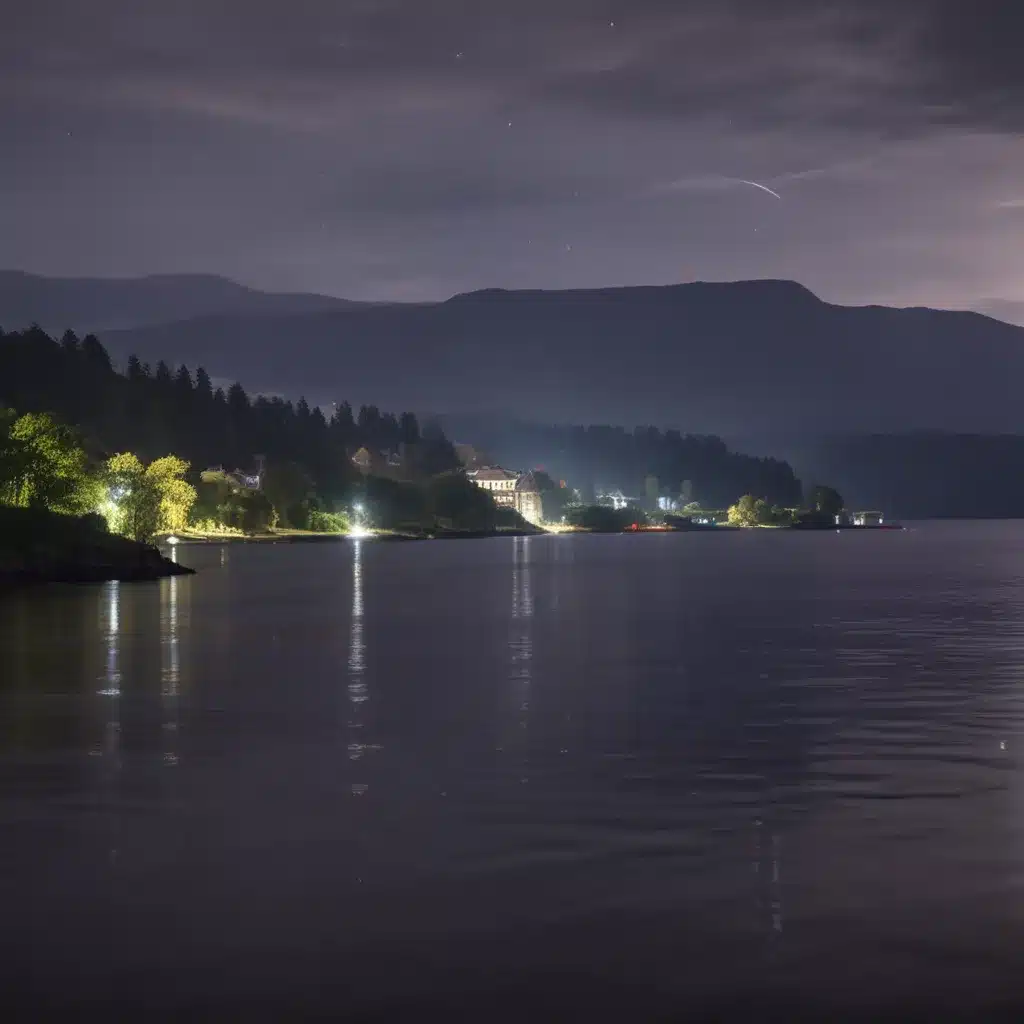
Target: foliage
(248,511)
(747,511)
(751,511)
(152,411)
(459,504)
(290,489)
(393,504)
(145,501)
(554,497)
(43,465)
(826,501)
(600,458)
(602,518)
(177,496)
(213,525)
(327,522)
(134,507)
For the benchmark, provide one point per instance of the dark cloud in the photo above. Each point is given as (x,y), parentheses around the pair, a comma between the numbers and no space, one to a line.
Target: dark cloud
(407,148)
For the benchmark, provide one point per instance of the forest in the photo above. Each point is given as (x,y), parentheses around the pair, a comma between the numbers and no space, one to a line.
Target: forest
(180,436)
(156,412)
(602,458)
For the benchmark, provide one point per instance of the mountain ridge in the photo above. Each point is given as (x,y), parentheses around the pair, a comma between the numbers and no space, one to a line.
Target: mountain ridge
(746,358)
(111,303)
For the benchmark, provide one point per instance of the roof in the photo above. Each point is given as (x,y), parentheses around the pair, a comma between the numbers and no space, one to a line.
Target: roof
(491,473)
(528,483)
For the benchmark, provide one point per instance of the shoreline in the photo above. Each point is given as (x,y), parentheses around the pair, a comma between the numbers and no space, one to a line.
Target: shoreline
(39,547)
(390,537)
(303,537)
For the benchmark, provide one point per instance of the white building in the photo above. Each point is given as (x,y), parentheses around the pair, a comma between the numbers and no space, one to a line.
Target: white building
(499,482)
(511,490)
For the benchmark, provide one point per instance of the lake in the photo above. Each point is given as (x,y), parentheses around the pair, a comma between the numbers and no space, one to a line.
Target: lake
(552,776)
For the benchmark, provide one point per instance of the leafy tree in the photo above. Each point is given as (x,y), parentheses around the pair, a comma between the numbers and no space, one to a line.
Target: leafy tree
(249,511)
(602,518)
(289,488)
(134,509)
(44,465)
(826,501)
(177,496)
(409,428)
(554,498)
(748,511)
(458,502)
(145,501)
(327,522)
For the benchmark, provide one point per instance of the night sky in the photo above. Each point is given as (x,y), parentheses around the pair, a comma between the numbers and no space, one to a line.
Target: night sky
(411,149)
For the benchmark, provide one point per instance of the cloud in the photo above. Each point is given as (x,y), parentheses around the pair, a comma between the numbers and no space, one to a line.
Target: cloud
(364,147)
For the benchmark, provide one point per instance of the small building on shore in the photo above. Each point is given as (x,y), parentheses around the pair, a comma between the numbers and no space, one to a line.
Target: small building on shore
(528,500)
(868,519)
(499,483)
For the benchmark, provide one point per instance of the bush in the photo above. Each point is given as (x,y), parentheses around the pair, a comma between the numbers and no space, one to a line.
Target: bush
(327,522)
(602,518)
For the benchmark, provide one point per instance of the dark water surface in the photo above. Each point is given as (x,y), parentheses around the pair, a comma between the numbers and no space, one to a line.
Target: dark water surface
(539,777)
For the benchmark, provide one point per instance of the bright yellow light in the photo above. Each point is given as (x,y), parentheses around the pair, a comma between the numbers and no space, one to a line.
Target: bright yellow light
(359,531)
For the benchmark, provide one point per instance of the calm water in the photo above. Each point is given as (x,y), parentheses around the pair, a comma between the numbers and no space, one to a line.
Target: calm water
(552,775)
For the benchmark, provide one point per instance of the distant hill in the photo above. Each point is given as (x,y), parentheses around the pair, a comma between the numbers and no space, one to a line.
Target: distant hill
(742,359)
(102,304)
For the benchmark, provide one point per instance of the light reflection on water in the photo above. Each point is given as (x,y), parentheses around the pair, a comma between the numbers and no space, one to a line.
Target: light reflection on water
(521,642)
(357,688)
(692,761)
(170,675)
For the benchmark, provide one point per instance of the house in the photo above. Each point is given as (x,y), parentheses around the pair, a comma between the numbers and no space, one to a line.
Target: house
(511,490)
(500,483)
(868,519)
(528,500)
(363,460)
(236,480)
(389,462)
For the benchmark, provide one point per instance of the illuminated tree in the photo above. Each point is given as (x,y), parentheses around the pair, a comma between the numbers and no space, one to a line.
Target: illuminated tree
(177,496)
(750,511)
(144,500)
(43,465)
(134,506)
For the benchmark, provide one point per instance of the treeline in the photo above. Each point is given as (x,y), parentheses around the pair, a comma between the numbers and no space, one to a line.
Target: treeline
(155,410)
(604,458)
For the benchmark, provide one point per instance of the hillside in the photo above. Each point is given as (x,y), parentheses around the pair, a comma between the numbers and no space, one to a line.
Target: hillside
(101,304)
(735,359)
